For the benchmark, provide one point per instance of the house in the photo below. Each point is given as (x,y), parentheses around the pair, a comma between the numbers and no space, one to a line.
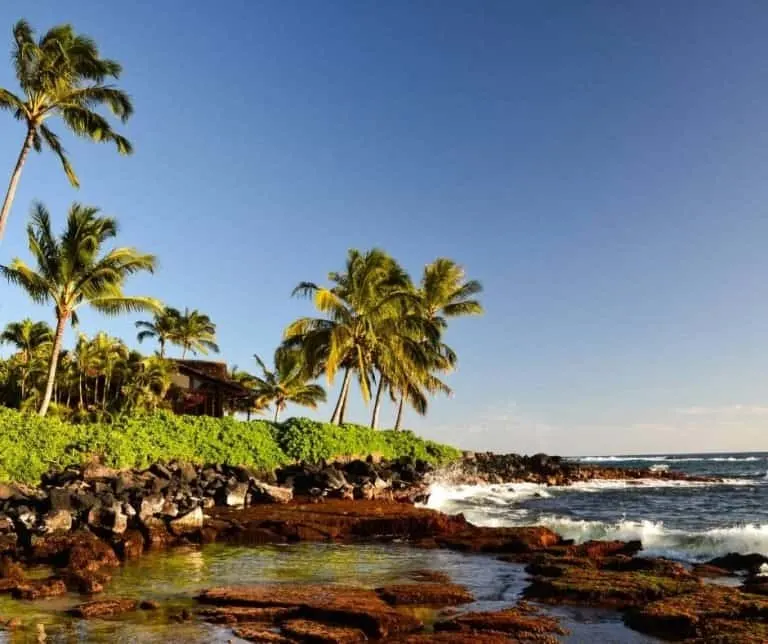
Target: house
(204,388)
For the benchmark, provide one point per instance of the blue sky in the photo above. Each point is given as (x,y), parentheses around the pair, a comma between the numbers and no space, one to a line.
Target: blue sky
(601,167)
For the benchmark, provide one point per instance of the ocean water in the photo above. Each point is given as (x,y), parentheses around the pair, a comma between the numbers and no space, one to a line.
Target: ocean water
(689,521)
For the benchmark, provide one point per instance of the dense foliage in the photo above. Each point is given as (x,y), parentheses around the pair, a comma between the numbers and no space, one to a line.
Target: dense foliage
(30,445)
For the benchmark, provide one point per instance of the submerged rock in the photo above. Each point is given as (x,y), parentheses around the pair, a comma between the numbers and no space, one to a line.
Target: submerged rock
(104,608)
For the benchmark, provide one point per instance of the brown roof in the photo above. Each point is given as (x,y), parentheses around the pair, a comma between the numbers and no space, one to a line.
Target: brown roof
(215,372)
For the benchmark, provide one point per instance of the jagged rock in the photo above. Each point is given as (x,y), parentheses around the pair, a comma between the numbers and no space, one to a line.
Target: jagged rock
(187,523)
(735,561)
(233,495)
(57,521)
(263,493)
(150,506)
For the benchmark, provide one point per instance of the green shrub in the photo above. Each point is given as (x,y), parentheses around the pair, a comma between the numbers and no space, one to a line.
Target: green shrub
(30,446)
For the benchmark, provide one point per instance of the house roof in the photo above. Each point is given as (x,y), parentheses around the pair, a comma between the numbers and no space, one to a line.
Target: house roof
(213,372)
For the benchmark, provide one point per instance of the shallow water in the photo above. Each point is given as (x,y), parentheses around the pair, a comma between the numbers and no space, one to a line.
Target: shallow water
(173,578)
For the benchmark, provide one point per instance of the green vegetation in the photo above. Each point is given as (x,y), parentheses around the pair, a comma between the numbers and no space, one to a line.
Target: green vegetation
(30,445)
(61,75)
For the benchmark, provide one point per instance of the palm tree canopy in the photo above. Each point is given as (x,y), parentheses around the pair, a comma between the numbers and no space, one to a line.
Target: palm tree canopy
(371,292)
(72,271)
(194,331)
(446,292)
(287,382)
(26,336)
(62,74)
(162,326)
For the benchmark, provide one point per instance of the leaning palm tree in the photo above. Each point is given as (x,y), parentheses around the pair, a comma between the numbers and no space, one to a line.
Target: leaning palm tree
(194,332)
(61,74)
(364,299)
(162,326)
(72,271)
(287,383)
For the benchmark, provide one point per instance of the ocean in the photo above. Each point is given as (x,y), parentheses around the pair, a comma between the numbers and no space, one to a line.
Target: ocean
(683,520)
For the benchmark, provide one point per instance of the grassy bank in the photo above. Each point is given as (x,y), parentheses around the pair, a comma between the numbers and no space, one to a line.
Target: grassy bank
(30,446)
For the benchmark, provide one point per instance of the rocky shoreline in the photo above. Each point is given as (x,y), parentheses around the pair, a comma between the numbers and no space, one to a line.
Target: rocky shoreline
(82,522)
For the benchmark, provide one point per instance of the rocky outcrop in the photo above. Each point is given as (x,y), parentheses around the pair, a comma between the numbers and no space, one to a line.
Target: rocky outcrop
(709,614)
(356,608)
(425,594)
(523,622)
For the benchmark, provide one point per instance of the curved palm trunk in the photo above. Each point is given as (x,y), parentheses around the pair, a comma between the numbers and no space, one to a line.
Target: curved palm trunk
(343,412)
(377,404)
(162,348)
(399,418)
(335,419)
(6,210)
(60,324)
(277,411)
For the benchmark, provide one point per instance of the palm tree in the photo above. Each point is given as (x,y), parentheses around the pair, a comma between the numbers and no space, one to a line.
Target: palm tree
(72,272)
(287,383)
(364,299)
(194,332)
(444,293)
(162,326)
(109,352)
(61,74)
(27,337)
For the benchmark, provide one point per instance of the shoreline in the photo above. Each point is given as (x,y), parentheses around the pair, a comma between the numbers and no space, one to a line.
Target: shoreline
(361,502)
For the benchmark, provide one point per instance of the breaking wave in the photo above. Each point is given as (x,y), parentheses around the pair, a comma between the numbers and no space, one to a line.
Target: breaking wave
(669,459)
(667,542)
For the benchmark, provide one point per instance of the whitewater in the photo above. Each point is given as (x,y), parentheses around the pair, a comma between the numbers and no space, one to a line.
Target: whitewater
(686,520)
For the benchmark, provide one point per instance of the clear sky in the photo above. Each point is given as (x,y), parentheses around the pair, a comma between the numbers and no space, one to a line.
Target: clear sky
(600,166)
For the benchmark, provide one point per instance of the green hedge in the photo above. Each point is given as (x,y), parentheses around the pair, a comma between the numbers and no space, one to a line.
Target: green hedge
(30,446)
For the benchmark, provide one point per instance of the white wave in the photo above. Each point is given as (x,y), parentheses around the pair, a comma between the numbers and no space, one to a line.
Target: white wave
(660,541)
(670,459)
(763,571)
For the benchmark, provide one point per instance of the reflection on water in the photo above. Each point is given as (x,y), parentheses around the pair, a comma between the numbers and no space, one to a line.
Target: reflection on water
(173,578)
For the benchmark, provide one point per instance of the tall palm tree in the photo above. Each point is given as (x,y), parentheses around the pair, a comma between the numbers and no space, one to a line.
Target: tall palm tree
(287,383)
(444,293)
(73,270)
(27,337)
(62,74)
(194,332)
(363,300)
(162,326)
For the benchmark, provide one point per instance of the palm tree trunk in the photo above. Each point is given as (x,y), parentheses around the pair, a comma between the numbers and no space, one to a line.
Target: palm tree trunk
(344,387)
(162,348)
(80,386)
(60,324)
(343,412)
(399,418)
(277,411)
(377,404)
(6,210)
